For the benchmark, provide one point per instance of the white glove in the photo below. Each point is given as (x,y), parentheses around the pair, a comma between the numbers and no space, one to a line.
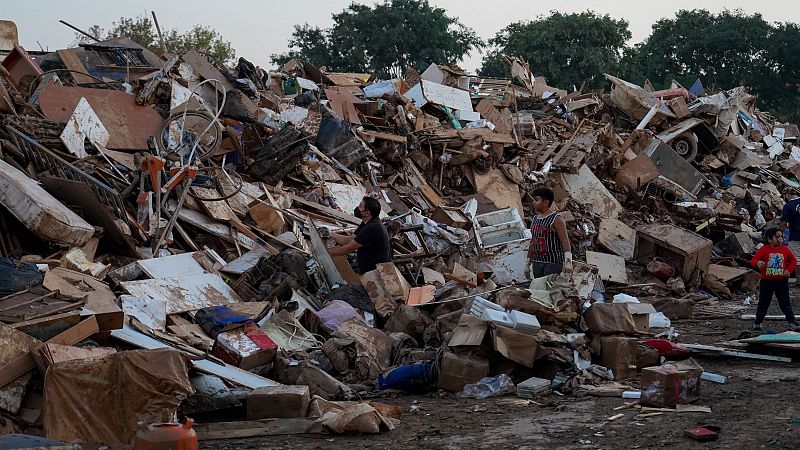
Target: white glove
(567,262)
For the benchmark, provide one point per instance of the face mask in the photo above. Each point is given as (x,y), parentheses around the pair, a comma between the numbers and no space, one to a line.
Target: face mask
(357,213)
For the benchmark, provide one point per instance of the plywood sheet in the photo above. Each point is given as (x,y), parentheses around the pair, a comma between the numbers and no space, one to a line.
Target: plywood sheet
(617,237)
(610,267)
(171,266)
(499,189)
(586,188)
(128,123)
(726,273)
(187,293)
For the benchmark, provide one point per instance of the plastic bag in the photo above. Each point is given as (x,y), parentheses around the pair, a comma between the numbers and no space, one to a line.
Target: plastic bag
(489,387)
(659,320)
(625,298)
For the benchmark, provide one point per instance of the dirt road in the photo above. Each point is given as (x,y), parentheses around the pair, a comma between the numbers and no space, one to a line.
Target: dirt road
(758,407)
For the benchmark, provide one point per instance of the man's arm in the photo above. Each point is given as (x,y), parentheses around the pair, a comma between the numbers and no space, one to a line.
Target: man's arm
(350,247)
(341,239)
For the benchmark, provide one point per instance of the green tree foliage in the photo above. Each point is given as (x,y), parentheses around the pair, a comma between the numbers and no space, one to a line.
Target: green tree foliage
(141,30)
(383,38)
(725,50)
(721,49)
(567,49)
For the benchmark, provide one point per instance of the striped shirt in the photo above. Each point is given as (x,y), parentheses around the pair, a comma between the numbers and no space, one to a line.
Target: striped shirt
(545,244)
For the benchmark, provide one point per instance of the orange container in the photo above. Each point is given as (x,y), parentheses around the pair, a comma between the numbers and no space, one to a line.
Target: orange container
(166,436)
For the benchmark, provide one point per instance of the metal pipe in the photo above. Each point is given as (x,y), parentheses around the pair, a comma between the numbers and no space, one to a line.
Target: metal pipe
(97,39)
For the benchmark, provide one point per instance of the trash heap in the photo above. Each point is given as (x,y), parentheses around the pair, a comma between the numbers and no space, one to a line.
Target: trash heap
(165,221)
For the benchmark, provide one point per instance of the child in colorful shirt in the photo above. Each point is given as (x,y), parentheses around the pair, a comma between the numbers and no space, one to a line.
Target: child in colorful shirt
(776,263)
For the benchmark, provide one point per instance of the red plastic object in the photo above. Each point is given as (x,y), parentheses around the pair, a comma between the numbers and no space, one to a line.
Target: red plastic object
(166,436)
(667,349)
(703,434)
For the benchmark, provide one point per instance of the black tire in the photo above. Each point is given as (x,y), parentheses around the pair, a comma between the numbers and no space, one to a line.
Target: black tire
(685,145)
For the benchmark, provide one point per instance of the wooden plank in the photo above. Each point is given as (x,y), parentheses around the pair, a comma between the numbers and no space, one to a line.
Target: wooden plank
(218,210)
(726,274)
(245,262)
(339,215)
(384,136)
(219,230)
(72,62)
(322,256)
(46,327)
(416,179)
(723,352)
(255,428)
(617,237)
(548,151)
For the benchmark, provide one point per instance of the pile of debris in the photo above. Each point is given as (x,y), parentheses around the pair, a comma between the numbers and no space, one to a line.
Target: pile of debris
(165,223)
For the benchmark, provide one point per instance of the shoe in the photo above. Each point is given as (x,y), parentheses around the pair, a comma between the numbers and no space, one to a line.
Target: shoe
(757,327)
(793,327)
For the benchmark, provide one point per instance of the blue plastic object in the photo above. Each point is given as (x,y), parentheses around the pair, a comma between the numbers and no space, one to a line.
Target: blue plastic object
(409,377)
(216,319)
(727,180)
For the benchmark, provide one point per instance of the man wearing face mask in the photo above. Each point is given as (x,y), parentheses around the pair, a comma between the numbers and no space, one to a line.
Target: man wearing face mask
(371,241)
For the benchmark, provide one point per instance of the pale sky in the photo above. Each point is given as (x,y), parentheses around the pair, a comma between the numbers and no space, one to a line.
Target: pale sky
(259,28)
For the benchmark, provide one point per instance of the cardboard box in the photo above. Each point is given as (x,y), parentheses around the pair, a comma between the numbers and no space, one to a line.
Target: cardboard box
(518,347)
(452,217)
(456,371)
(278,402)
(641,315)
(619,354)
(246,347)
(670,384)
(610,318)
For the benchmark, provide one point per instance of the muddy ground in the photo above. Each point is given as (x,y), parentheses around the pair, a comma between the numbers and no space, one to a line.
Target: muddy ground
(758,407)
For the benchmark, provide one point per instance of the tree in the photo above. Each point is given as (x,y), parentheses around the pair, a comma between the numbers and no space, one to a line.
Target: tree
(140,29)
(726,50)
(567,49)
(383,39)
(722,49)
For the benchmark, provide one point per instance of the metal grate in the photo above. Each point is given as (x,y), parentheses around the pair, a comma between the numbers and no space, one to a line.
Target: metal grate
(44,160)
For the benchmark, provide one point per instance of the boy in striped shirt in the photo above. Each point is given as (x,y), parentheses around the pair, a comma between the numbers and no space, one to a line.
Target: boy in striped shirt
(549,251)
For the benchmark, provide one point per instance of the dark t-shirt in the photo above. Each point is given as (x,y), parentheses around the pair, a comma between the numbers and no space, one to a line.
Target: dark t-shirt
(374,248)
(791,214)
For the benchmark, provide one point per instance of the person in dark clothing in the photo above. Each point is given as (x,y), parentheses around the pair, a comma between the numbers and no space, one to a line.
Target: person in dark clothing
(790,223)
(775,262)
(370,242)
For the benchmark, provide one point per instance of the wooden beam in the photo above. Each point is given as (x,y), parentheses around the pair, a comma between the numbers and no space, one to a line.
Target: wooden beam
(344,217)
(255,428)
